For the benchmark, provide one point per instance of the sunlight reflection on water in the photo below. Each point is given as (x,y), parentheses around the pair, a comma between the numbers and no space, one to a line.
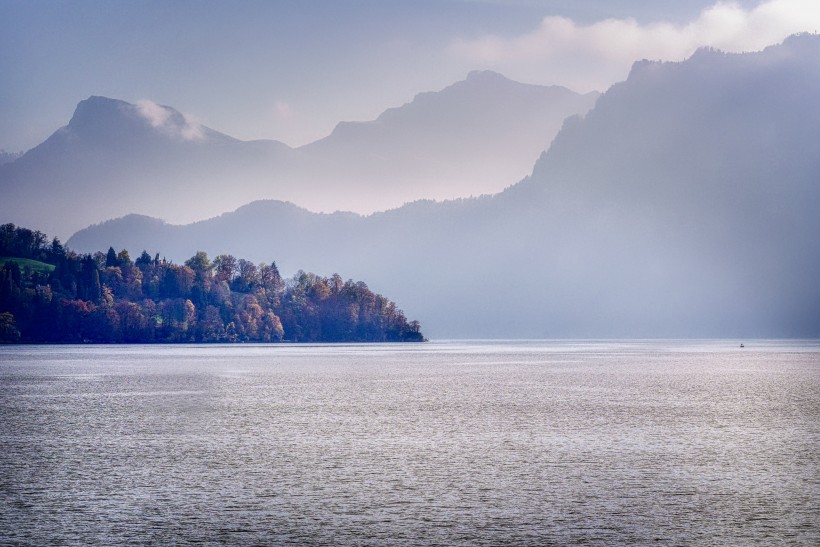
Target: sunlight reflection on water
(448,442)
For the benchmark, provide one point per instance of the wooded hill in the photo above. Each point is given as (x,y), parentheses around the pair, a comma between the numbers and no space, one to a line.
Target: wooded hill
(50,294)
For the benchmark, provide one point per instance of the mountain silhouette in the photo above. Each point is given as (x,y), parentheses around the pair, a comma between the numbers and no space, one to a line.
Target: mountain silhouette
(683,205)
(114,158)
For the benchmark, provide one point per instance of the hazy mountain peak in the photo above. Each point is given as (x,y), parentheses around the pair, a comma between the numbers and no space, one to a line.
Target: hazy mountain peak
(491,81)
(481,92)
(803,41)
(102,117)
(95,110)
(474,137)
(486,76)
(802,49)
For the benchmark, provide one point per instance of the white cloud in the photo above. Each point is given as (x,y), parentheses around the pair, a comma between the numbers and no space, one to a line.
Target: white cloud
(156,115)
(191,130)
(597,55)
(161,117)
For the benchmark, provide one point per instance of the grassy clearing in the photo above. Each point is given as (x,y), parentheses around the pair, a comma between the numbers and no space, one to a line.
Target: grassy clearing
(35,265)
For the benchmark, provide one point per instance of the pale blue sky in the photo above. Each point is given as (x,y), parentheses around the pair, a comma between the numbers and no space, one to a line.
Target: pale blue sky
(290,70)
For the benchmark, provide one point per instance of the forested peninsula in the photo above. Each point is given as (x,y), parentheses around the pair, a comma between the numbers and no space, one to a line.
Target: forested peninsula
(49,294)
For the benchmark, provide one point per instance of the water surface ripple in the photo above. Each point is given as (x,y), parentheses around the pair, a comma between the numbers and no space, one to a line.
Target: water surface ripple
(440,443)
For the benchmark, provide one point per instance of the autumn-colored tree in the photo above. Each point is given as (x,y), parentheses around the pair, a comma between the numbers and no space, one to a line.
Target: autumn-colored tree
(59,296)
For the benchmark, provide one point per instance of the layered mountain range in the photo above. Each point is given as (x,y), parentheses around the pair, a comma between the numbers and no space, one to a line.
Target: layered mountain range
(113,158)
(684,204)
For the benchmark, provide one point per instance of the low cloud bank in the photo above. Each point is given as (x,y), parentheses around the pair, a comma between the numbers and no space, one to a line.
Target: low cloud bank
(597,55)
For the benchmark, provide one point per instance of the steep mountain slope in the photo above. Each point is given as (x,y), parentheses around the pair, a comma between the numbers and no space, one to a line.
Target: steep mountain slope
(683,205)
(115,158)
(474,137)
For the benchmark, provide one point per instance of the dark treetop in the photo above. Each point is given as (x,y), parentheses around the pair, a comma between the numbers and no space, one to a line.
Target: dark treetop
(51,294)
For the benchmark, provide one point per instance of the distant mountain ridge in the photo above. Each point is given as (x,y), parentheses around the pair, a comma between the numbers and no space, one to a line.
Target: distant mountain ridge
(115,158)
(683,205)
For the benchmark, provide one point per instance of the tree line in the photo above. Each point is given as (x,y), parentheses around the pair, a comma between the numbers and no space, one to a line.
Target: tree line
(49,294)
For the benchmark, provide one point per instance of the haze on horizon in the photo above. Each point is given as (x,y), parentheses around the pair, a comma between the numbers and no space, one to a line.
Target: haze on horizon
(290,70)
(681,204)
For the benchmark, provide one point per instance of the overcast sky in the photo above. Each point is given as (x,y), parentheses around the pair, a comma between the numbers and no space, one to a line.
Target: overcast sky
(291,69)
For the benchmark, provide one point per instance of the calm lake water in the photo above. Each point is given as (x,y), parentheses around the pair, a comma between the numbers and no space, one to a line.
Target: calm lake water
(445,443)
